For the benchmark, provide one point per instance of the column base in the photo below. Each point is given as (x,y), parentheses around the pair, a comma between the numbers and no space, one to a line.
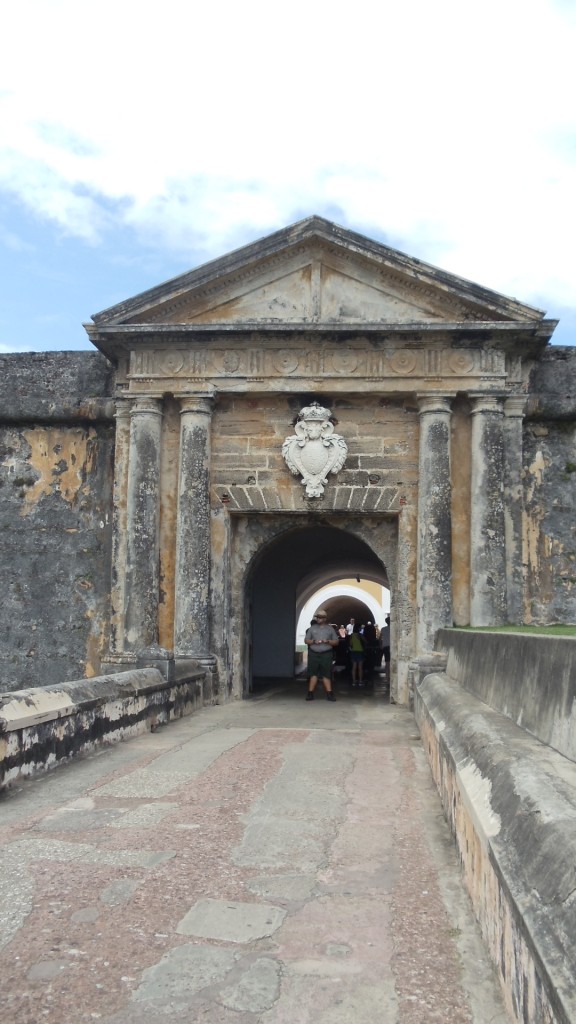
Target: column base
(171,668)
(208,663)
(423,666)
(174,668)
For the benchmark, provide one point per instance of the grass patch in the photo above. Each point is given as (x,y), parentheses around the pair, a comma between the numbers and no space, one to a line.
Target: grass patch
(533,630)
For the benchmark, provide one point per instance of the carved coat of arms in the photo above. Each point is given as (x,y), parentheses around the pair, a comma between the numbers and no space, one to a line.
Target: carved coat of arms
(314,450)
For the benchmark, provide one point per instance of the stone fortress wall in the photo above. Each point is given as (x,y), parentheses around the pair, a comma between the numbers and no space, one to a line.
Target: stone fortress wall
(56,474)
(549,443)
(57,436)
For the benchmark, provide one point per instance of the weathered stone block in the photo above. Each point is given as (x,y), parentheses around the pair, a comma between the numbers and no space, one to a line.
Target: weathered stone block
(55,545)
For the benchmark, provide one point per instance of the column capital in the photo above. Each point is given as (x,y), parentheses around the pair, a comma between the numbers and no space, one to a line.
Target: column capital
(487,404)
(146,405)
(200,403)
(122,407)
(428,403)
(203,391)
(515,406)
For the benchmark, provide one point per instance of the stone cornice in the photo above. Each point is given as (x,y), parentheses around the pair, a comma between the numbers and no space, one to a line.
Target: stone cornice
(543,327)
(531,339)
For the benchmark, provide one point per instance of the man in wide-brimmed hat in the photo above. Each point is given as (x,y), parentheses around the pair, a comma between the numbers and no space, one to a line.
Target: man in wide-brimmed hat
(320,639)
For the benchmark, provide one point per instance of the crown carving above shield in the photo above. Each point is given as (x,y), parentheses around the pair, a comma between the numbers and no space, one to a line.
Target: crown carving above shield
(314,412)
(314,450)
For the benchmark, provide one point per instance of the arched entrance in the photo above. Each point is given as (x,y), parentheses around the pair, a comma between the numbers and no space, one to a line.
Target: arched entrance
(342,602)
(289,566)
(421,375)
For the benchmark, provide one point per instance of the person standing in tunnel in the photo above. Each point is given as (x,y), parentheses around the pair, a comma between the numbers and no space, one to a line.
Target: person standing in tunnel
(385,644)
(357,655)
(320,639)
(371,648)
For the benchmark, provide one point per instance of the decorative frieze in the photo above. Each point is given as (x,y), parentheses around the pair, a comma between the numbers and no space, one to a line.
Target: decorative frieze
(332,361)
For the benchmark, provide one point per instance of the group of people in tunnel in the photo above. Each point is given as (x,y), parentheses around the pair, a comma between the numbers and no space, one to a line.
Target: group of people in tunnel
(356,649)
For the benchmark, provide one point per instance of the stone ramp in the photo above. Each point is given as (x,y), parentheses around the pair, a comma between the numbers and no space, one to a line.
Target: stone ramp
(272,861)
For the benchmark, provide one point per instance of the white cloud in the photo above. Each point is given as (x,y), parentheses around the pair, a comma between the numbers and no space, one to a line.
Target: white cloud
(447,126)
(14,242)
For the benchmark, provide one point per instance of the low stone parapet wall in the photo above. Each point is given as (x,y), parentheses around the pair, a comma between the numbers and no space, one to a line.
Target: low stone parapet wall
(43,727)
(530,679)
(511,802)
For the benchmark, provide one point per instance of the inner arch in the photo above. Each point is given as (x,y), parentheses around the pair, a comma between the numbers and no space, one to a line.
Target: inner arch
(287,573)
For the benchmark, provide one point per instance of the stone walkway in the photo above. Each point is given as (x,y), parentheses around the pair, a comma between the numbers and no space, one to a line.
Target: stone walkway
(270,861)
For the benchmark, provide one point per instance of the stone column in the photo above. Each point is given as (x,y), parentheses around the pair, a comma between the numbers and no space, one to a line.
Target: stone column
(142,526)
(513,505)
(434,566)
(119,525)
(487,530)
(192,634)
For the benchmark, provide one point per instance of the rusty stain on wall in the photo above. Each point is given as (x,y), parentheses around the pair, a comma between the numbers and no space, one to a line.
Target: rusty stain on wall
(63,460)
(96,643)
(535,473)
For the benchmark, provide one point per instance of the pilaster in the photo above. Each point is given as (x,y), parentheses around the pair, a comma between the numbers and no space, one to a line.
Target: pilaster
(487,522)
(192,632)
(513,505)
(119,525)
(434,565)
(142,525)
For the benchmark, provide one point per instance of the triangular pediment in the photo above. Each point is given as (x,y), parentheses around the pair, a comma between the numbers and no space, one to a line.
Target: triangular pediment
(315,273)
(310,289)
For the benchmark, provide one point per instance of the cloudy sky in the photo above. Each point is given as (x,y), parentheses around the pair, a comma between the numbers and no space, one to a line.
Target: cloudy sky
(138,141)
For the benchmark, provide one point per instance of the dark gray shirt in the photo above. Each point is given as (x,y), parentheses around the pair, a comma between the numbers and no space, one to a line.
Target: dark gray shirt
(320,635)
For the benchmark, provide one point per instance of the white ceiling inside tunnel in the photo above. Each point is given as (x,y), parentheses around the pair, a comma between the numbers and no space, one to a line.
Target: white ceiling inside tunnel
(366,569)
(363,605)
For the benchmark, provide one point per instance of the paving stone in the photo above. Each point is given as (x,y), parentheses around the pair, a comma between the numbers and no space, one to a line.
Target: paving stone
(145,816)
(46,970)
(177,977)
(283,887)
(257,990)
(69,819)
(231,921)
(119,892)
(86,916)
